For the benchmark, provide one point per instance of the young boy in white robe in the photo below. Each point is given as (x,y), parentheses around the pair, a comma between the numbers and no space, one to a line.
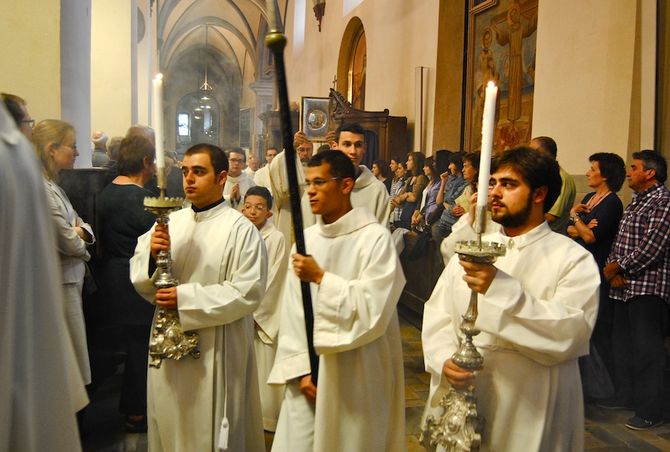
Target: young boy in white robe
(537,307)
(358,402)
(257,209)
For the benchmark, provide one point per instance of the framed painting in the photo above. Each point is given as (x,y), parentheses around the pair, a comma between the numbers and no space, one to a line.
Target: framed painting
(315,117)
(501,47)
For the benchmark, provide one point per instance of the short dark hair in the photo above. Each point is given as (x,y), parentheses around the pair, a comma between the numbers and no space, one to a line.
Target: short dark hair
(352,127)
(442,157)
(132,152)
(547,144)
(383,167)
(612,168)
(216,155)
(473,159)
(653,160)
(419,159)
(15,106)
(457,159)
(263,192)
(537,169)
(340,165)
(237,150)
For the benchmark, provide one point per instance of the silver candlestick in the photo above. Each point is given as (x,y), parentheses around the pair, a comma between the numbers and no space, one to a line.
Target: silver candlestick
(459,427)
(168,338)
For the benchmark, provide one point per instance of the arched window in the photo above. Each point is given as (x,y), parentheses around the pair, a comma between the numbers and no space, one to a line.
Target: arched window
(352,64)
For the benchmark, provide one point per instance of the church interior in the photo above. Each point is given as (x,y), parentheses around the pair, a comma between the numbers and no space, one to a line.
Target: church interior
(592,74)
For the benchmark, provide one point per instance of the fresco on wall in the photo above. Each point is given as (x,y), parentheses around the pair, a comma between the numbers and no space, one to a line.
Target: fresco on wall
(501,47)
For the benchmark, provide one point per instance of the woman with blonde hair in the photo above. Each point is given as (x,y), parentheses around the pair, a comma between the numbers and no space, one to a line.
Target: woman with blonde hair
(54,142)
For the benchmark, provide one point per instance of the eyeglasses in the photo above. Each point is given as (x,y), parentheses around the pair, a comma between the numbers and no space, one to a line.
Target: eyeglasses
(255,208)
(71,146)
(235,160)
(30,122)
(319,182)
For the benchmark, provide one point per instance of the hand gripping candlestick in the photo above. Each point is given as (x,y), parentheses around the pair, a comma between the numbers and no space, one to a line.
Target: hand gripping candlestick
(168,338)
(459,426)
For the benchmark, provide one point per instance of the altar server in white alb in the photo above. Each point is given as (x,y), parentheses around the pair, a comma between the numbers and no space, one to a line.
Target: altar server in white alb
(257,209)
(368,192)
(211,403)
(537,308)
(237,180)
(41,387)
(358,403)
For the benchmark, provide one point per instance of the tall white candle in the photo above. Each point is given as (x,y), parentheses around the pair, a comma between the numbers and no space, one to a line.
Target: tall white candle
(488,128)
(157,119)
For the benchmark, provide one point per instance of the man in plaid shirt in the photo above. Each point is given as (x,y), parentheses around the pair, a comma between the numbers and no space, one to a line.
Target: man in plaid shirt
(638,270)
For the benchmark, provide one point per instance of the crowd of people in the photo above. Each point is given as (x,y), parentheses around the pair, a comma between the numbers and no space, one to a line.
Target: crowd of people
(582,286)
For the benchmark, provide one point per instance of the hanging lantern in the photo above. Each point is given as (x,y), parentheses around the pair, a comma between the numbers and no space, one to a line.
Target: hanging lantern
(319,10)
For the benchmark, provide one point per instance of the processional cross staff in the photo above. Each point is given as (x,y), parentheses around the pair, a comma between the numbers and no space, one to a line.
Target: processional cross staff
(276,41)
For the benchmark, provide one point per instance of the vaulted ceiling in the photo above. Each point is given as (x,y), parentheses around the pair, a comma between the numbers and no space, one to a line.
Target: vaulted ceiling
(223,39)
(233,29)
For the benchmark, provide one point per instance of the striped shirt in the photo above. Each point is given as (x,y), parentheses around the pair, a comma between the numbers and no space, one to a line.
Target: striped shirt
(642,246)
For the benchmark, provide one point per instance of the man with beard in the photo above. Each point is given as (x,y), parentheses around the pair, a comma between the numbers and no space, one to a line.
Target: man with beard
(537,308)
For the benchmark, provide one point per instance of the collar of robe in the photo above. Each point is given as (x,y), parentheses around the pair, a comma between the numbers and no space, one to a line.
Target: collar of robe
(357,218)
(267,228)
(365,178)
(532,236)
(208,207)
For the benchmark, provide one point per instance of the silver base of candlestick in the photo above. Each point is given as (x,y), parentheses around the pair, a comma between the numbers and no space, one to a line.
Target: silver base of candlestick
(168,338)
(459,426)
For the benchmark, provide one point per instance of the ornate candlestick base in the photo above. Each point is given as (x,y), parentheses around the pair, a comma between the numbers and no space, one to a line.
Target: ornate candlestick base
(168,338)
(459,426)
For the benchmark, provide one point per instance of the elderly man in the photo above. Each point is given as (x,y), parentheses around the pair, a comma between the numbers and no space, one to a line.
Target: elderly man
(638,271)
(100,157)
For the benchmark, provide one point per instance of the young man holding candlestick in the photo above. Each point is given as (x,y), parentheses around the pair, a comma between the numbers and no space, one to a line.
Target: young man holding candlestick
(356,281)
(220,262)
(537,308)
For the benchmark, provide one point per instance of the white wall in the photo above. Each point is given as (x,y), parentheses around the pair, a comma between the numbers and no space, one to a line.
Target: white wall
(111,82)
(589,93)
(401,35)
(30,49)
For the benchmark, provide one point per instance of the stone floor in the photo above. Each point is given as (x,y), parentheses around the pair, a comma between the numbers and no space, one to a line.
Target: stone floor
(103,428)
